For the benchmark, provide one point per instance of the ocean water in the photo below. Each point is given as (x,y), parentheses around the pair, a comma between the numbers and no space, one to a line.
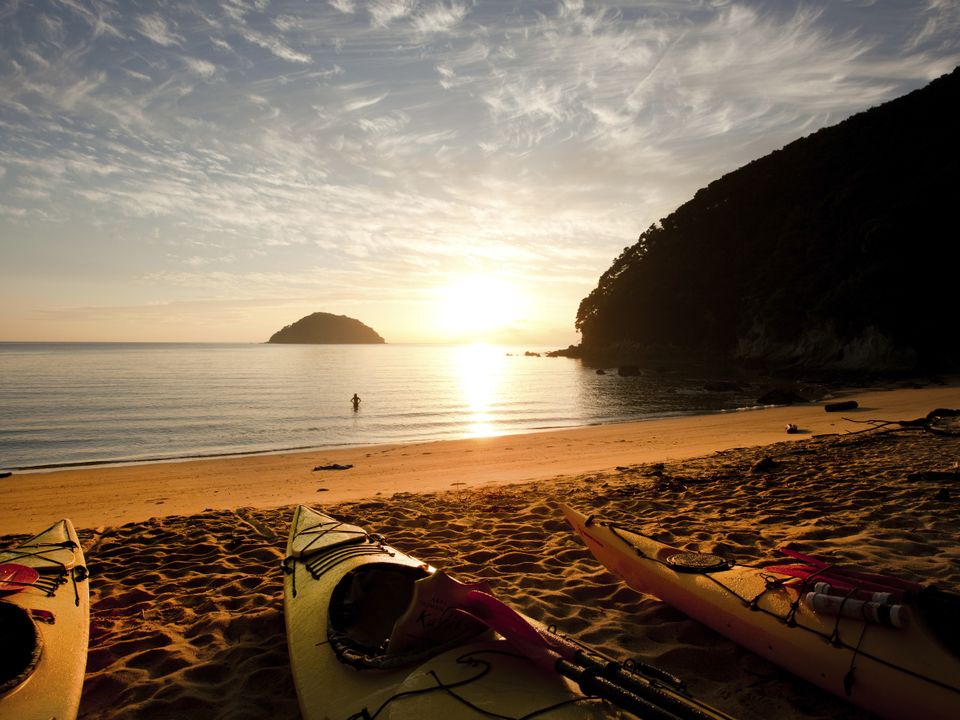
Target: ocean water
(75,403)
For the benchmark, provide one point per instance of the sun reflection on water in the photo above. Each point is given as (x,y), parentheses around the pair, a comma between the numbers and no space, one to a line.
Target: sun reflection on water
(481,375)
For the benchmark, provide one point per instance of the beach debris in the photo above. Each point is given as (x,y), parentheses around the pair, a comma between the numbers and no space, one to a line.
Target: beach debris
(334,466)
(792,429)
(323,489)
(764,464)
(5,474)
(943,413)
(941,421)
(841,406)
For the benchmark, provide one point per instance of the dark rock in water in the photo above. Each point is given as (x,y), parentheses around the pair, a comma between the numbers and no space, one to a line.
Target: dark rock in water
(528,353)
(572,351)
(841,406)
(601,371)
(781,396)
(325,329)
(628,371)
(722,386)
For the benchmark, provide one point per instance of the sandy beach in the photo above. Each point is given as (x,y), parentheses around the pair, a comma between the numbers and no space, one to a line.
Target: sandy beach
(186,587)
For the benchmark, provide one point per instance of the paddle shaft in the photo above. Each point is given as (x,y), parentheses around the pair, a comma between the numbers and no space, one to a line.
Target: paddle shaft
(662,697)
(604,679)
(592,683)
(656,692)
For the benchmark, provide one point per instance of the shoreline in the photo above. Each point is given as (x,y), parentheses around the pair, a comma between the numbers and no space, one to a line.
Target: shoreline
(131,462)
(103,496)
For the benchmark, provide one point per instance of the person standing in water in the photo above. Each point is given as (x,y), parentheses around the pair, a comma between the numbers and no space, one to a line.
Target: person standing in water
(356,402)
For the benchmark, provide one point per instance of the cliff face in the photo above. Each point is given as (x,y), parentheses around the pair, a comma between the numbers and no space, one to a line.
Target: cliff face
(325,328)
(839,250)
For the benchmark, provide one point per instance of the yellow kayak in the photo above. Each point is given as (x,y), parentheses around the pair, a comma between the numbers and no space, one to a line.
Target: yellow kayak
(375,633)
(832,627)
(44,626)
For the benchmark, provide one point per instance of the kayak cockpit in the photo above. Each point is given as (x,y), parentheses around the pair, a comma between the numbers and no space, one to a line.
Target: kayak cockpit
(384,615)
(22,646)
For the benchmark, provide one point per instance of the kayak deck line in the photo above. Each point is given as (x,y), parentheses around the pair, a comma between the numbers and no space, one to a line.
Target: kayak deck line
(52,572)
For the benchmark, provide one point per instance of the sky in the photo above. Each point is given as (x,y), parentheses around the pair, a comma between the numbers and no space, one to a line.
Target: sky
(442,170)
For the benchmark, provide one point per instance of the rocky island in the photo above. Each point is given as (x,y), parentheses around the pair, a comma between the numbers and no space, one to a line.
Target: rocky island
(322,328)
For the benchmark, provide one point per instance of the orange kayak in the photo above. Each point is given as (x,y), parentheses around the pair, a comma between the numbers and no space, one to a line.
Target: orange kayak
(834,628)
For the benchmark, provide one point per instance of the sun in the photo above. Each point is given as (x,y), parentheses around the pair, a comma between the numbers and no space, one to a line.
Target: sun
(478,307)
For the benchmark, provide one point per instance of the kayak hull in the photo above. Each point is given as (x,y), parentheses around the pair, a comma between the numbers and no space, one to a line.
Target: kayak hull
(58,600)
(897,673)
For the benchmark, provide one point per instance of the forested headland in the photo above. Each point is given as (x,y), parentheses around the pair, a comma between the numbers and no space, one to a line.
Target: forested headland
(838,250)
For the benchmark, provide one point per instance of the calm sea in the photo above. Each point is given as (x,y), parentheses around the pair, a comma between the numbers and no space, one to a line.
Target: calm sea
(71,403)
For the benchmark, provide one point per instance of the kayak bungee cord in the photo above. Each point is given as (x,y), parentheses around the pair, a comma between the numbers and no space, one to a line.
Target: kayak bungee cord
(472,660)
(325,529)
(770,583)
(320,562)
(56,573)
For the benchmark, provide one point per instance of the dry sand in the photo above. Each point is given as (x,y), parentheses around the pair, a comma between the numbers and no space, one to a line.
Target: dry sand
(186,618)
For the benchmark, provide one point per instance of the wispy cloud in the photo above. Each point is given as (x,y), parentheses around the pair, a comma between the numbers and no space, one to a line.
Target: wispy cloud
(275,45)
(155,28)
(384,12)
(361,103)
(440,17)
(198,66)
(344,6)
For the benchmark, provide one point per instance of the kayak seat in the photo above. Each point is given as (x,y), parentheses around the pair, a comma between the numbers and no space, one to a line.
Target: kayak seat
(364,607)
(22,646)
